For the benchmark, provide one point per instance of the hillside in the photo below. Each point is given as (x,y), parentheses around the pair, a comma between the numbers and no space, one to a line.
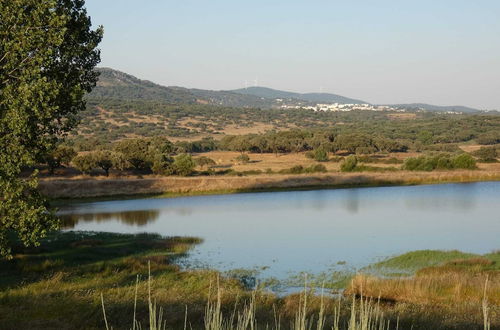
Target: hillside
(121,86)
(114,84)
(118,85)
(310,97)
(435,108)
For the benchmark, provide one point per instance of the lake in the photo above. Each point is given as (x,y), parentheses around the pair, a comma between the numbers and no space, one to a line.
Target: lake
(311,231)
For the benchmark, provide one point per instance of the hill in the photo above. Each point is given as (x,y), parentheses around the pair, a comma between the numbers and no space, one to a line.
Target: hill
(435,108)
(121,86)
(310,97)
(114,84)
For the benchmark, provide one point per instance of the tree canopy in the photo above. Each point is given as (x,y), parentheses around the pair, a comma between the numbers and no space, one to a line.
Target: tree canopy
(48,52)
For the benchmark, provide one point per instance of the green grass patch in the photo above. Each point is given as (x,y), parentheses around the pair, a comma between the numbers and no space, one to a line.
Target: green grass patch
(411,262)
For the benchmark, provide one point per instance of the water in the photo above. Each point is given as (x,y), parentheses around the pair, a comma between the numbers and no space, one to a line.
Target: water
(312,231)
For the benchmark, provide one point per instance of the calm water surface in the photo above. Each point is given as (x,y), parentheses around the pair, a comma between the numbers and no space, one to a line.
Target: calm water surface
(309,230)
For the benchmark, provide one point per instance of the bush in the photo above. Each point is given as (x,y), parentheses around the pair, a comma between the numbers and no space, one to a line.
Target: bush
(320,154)
(299,169)
(486,154)
(489,138)
(464,161)
(444,147)
(204,161)
(317,168)
(243,158)
(183,165)
(349,164)
(439,162)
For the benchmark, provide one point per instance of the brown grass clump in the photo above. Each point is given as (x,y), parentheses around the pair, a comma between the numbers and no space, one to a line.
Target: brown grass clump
(446,284)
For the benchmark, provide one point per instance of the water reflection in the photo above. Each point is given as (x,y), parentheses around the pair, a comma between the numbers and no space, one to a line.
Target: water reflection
(131,218)
(309,230)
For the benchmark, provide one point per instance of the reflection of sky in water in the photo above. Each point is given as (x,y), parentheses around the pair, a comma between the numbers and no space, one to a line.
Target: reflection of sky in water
(310,230)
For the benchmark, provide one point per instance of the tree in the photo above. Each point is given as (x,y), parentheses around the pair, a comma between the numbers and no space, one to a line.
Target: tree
(84,163)
(136,152)
(183,164)
(61,155)
(47,59)
(204,161)
(104,159)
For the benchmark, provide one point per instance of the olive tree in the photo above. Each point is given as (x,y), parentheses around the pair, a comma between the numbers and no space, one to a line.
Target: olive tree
(47,58)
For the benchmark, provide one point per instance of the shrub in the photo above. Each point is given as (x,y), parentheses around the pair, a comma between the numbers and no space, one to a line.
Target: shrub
(486,154)
(297,169)
(489,138)
(439,162)
(243,158)
(204,161)
(183,165)
(315,169)
(464,161)
(349,164)
(320,154)
(443,147)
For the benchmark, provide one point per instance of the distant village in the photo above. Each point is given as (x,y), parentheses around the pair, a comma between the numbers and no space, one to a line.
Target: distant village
(341,107)
(352,107)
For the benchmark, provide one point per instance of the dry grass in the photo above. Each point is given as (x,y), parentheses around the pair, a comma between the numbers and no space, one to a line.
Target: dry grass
(90,187)
(264,161)
(446,284)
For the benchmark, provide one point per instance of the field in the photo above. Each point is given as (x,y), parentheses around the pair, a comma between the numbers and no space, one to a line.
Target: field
(262,172)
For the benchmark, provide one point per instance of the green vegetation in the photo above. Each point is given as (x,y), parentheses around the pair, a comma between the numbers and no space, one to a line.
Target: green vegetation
(183,165)
(60,285)
(298,169)
(48,54)
(349,164)
(62,155)
(410,262)
(487,154)
(319,154)
(440,162)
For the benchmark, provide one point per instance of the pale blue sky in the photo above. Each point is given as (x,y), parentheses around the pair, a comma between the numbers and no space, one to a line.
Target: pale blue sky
(442,51)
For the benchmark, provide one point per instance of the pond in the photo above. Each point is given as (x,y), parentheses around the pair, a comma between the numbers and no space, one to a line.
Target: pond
(284,233)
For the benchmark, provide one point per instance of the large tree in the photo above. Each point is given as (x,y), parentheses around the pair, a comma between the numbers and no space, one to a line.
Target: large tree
(48,52)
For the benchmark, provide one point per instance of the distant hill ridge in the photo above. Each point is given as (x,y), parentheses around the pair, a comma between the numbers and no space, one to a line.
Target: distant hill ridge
(115,84)
(310,97)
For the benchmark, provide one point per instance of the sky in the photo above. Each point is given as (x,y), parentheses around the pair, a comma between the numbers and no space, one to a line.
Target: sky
(443,52)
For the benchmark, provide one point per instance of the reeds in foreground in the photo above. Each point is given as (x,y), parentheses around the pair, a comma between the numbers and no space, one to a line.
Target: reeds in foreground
(364,314)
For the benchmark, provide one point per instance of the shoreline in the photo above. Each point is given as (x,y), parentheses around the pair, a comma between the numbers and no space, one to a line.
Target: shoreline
(60,189)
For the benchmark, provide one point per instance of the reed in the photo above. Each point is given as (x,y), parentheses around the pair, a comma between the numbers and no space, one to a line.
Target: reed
(364,314)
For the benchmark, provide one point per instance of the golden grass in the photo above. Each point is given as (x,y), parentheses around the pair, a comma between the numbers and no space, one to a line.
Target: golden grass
(81,187)
(432,286)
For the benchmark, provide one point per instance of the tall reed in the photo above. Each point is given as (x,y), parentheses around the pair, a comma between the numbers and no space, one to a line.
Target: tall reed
(364,313)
